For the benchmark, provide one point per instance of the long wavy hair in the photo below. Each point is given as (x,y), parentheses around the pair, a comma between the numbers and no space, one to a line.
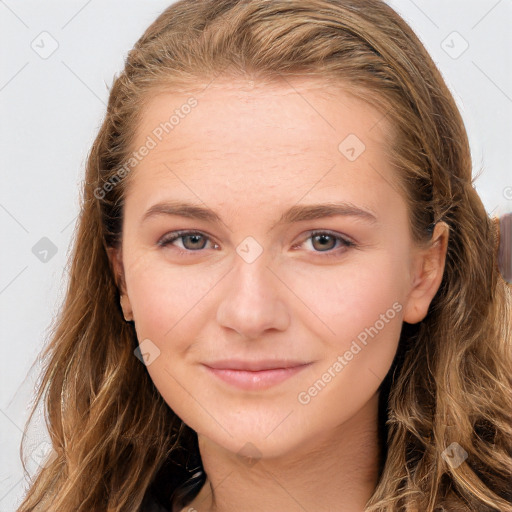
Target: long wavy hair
(116,444)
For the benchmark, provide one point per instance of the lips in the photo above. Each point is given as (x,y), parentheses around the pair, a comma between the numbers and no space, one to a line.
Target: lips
(255,375)
(255,366)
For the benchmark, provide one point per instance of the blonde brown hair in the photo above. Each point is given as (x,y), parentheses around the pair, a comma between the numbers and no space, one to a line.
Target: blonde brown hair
(116,443)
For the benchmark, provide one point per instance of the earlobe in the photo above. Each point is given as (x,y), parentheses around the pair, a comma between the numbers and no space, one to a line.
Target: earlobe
(126,307)
(429,270)
(115,257)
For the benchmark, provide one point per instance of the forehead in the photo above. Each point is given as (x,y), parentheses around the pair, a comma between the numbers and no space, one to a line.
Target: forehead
(251,134)
(302,106)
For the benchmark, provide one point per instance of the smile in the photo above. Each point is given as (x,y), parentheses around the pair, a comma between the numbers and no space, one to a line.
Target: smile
(254,380)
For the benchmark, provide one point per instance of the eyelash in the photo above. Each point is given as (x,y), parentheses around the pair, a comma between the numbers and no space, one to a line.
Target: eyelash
(171,237)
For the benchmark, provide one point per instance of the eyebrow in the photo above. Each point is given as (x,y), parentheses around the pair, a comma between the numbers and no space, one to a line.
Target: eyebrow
(296,213)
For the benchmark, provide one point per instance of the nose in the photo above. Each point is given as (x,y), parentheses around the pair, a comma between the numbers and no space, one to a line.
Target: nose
(253,300)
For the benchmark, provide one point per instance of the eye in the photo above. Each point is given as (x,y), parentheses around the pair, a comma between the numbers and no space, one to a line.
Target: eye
(192,241)
(195,241)
(325,241)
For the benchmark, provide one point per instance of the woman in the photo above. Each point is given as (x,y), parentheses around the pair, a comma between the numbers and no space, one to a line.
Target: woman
(214,352)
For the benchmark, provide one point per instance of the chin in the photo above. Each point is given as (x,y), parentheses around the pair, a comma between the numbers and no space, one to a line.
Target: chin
(254,441)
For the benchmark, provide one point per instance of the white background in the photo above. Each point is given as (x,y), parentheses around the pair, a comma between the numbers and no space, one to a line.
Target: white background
(51,109)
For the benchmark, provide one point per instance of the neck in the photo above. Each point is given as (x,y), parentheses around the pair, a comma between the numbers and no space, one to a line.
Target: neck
(338,469)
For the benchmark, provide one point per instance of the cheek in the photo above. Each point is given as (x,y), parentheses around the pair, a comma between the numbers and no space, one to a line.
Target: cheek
(361,312)
(165,297)
(347,299)
(360,308)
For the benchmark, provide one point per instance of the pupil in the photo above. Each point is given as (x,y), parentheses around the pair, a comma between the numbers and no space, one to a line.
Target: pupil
(322,238)
(194,238)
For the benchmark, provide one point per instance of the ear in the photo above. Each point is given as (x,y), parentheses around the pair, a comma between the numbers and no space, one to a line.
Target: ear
(428,269)
(115,256)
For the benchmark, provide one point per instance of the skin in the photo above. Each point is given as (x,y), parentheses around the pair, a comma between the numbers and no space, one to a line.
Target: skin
(250,151)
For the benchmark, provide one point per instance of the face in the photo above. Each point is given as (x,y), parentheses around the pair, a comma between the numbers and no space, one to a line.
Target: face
(291,269)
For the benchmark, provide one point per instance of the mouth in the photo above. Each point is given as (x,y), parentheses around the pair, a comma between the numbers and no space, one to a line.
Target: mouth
(255,375)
